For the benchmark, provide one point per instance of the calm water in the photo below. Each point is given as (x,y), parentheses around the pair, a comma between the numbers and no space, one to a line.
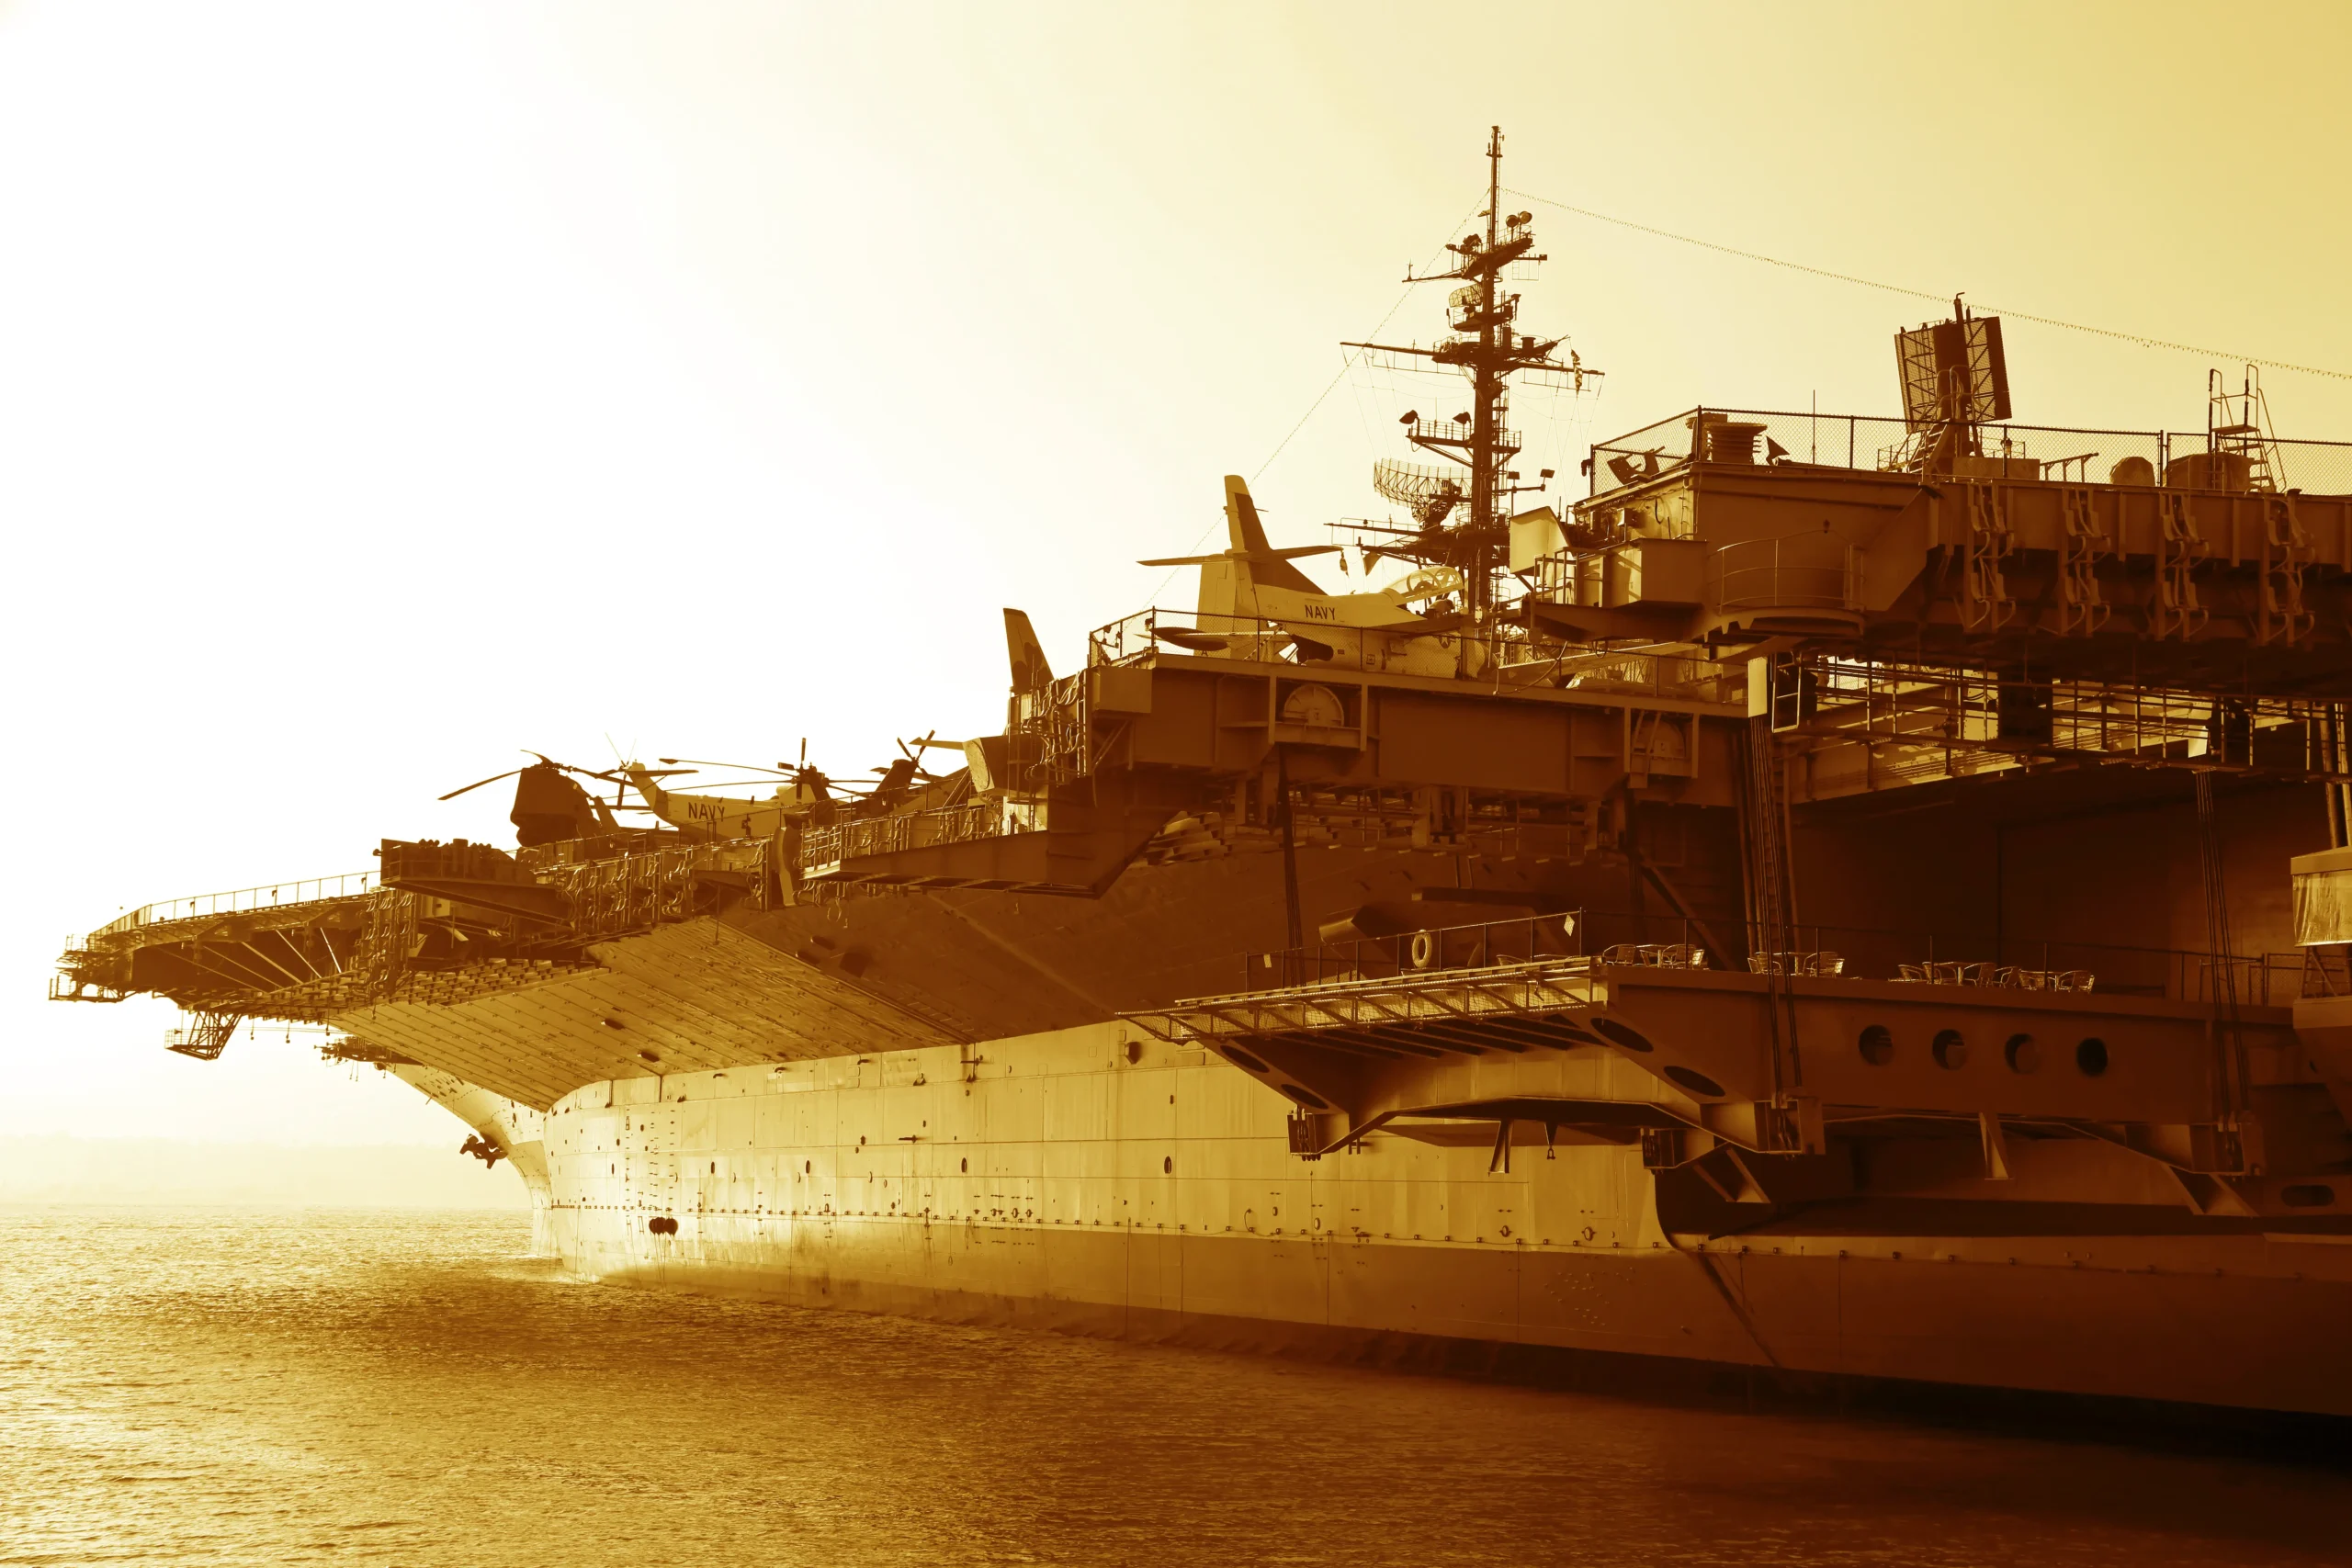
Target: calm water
(211,1386)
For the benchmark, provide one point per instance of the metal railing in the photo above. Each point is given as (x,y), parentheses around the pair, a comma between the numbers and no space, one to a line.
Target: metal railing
(1601,576)
(1190,631)
(1635,674)
(1485,945)
(1940,706)
(1933,958)
(630,892)
(1811,570)
(1448,433)
(1874,444)
(821,848)
(1926,957)
(2327,971)
(243,901)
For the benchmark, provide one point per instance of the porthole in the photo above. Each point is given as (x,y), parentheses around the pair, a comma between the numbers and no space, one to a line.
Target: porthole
(1950,1050)
(2307,1195)
(1697,1083)
(807,1166)
(1242,1059)
(2090,1057)
(1620,1033)
(1306,1097)
(964,1166)
(2022,1055)
(1168,1164)
(1878,1044)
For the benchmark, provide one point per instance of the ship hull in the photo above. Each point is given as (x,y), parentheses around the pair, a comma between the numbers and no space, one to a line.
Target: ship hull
(1096,1181)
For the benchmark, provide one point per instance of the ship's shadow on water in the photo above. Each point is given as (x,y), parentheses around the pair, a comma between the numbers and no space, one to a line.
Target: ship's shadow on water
(225,1386)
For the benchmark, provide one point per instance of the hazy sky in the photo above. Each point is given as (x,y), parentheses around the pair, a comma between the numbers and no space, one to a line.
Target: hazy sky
(383,389)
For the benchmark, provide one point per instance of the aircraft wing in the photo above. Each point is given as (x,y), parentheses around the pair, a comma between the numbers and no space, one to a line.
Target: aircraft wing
(1290,554)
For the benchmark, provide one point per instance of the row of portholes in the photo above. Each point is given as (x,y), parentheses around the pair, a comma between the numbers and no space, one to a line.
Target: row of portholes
(1950,1048)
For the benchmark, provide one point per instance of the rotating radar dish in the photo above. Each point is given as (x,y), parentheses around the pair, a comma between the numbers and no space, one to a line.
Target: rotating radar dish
(1429,493)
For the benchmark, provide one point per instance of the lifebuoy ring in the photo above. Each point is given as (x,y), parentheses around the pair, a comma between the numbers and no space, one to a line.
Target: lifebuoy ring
(1424,950)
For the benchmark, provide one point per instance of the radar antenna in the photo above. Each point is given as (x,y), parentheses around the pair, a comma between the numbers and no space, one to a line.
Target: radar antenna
(1488,349)
(1955,378)
(1430,494)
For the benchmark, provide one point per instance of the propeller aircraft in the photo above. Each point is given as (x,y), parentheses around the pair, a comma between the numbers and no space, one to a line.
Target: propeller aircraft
(1250,584)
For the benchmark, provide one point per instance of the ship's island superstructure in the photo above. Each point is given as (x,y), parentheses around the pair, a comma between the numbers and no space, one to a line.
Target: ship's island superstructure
(1848,895)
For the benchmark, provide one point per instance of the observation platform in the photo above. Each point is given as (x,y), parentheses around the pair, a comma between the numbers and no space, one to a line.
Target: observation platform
(2140,557)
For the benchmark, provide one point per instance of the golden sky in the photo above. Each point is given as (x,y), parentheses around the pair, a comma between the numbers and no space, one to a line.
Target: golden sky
(385,389)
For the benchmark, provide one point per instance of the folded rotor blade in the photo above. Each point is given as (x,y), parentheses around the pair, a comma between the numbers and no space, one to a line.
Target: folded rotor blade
(479,783)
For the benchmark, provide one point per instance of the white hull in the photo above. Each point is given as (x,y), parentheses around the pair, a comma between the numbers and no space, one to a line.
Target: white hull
(1099,1180)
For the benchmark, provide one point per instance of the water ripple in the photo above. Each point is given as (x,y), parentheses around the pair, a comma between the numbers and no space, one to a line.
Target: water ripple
(232,1387)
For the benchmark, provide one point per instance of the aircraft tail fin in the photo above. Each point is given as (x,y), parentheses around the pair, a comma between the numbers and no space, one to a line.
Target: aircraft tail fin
(1241,519)
(1266,564)
(1029,670)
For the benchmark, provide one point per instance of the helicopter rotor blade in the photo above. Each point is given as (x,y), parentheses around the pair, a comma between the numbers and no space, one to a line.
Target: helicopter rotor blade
(706,762)
(479,783)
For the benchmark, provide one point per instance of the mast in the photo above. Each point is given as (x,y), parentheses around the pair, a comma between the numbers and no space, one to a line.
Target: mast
(1486,429)
(1487,349)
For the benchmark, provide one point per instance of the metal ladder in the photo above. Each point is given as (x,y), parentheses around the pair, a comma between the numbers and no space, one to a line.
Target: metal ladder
(2238,423)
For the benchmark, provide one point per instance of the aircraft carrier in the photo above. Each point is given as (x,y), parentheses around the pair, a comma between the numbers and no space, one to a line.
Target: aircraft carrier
(1838,896)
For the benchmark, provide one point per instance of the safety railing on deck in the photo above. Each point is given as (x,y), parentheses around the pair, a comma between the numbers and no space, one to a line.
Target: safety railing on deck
(1189,631)
(1934,704)
(1930,957)
(1620,671)
(243,901)
(1872,444)
(1809,570)
(829,846)
(2327,971)
(1484,946)
(1926,958)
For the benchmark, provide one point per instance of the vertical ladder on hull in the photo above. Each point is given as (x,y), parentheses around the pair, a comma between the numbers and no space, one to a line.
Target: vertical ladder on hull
(2286,550)
(2175,610)
(1986,604)
(2081,610)
(1771,897)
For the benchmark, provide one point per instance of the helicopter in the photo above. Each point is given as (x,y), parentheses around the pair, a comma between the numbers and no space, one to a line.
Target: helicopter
(550,807)
(802,794)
